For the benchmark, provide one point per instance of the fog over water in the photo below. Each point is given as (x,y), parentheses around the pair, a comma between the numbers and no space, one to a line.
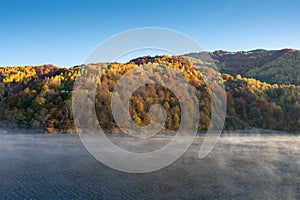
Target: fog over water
(38,166)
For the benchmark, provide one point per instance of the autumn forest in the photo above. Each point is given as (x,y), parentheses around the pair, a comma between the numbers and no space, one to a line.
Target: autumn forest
(262,89)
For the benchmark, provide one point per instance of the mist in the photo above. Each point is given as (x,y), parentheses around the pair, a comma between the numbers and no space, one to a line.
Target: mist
(239,167)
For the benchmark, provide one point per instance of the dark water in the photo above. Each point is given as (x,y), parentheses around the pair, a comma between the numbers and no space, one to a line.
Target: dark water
(239,167)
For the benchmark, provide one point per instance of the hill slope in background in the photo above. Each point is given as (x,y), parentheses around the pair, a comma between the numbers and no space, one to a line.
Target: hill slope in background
(276,66)
(40,97)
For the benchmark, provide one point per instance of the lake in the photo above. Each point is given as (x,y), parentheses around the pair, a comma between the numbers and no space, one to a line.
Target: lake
(42,166)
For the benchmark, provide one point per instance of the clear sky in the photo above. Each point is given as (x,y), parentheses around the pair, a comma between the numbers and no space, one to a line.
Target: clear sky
(63,32)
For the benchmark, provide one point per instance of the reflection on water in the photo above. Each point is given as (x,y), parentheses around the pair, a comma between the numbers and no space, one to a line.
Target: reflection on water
(239,167)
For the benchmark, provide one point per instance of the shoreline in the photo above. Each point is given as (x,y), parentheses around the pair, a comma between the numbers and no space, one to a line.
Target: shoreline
(245,132)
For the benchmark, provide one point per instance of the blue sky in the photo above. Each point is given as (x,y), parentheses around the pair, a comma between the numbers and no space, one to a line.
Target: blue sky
(64,32)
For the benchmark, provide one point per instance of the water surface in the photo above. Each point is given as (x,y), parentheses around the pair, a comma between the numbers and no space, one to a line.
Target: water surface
(239,167)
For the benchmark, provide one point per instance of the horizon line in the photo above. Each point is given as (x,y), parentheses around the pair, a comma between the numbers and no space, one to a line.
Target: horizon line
(206,51)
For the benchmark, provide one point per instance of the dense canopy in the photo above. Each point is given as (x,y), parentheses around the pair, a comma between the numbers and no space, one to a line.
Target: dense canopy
(40,97)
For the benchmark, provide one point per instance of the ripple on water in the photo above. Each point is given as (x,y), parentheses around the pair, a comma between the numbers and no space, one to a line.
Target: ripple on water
(59,167)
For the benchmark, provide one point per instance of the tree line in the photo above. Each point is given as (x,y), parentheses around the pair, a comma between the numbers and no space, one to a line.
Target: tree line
(40,97)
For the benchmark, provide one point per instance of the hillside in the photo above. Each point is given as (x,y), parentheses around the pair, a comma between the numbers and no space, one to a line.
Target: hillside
(276,66)
(40,98)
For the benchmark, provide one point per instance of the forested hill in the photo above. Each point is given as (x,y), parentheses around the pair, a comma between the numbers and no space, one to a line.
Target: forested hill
(276,66)
(40,97)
